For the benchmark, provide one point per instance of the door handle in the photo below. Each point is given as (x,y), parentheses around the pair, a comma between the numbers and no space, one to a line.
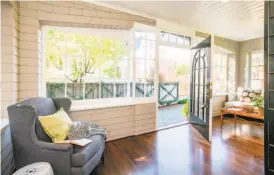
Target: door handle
(204,106)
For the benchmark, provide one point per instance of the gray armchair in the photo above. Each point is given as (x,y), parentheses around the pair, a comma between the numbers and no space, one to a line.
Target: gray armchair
(31,144)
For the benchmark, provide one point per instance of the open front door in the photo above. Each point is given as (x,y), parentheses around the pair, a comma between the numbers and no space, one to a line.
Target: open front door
(269,87)
(201,88)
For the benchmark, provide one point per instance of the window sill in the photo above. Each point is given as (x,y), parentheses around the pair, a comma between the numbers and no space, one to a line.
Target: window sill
(108,103)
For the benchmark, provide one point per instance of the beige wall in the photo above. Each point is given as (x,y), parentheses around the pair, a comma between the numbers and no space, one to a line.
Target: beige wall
(9,54)
(121,121)
(245,48)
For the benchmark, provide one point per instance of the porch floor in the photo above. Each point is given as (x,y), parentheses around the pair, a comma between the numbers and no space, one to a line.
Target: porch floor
(171,115)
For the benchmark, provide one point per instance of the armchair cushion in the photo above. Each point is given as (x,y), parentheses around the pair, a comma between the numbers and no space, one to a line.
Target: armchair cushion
(81,155)
(56,125)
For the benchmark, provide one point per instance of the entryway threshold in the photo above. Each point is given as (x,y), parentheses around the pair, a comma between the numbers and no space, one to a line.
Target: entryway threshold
(172,125)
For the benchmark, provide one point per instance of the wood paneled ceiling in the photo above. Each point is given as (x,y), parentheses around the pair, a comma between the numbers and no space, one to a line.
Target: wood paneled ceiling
(237,20)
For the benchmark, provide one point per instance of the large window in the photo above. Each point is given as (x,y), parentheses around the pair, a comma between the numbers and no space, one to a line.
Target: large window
(87,66)
(220,73)
(257,70)
(145,63)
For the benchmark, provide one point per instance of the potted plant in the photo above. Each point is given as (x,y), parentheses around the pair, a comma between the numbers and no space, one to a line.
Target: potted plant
(186,110)
(259,103)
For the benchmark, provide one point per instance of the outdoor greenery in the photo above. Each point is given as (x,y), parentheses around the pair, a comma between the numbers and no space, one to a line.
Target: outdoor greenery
(86,53)
(186,110)
(259,102)
(181,70)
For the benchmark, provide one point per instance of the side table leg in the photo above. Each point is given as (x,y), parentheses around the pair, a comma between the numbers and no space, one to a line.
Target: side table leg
(222,117)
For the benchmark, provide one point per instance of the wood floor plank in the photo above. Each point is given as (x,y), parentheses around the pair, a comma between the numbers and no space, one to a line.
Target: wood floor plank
(235,150)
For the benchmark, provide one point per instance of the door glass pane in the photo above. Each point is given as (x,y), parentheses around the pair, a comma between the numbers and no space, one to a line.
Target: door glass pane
(271,9)
(271,100)
(271,63)
(271,44)
(271,26)
(271,81)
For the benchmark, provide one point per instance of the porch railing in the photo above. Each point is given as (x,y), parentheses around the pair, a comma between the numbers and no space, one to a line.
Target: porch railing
(168,92)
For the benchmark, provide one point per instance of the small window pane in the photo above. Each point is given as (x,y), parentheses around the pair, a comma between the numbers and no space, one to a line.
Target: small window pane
(150,49)
(75,91)
(180,39)
(187,40)
(107,89)
(150,36)
(121,89)
(140,35)
(140,88)
(140,68)
(172,38)
(164,36)
(150,70)
(55,90)
(149,89)
(92,90)
(140,48)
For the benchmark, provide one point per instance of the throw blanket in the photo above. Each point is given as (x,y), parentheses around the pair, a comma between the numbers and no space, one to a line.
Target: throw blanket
(80,130)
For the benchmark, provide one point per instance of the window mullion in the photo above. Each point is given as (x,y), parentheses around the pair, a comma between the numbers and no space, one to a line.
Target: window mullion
(145,84)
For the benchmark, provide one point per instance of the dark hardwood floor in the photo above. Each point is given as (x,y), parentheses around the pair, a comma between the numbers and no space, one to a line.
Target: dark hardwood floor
(182,151)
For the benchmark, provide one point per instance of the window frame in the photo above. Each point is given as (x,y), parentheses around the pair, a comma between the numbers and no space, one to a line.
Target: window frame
(104,33)
(229,55)
(131,59)
(137,27)
(250,66)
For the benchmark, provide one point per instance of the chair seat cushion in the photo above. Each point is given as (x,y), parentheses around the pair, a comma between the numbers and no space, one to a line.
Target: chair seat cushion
(81,155)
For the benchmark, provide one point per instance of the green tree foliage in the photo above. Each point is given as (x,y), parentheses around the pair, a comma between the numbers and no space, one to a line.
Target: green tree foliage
(86,54)
(182,69)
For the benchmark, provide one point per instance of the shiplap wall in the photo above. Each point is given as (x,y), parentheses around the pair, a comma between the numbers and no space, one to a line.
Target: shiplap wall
(121,121)
(76,14)
(22,44)
(218,104)
(9,54)
(7,159)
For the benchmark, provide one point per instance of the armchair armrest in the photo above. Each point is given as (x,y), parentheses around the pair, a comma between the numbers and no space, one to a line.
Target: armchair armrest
(62,103)
(54,146)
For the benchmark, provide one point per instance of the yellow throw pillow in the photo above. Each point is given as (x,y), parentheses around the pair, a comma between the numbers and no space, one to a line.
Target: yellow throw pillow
(56,125)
